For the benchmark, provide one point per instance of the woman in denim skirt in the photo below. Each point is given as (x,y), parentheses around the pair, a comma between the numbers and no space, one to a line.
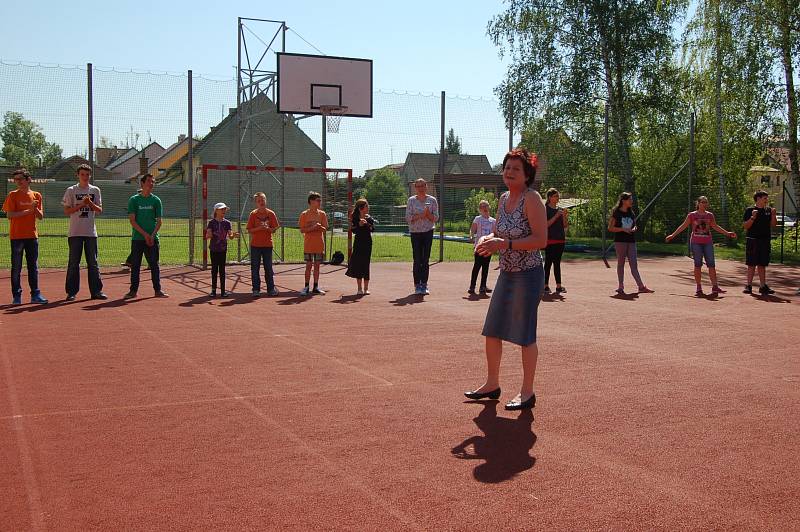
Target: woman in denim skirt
(520,232)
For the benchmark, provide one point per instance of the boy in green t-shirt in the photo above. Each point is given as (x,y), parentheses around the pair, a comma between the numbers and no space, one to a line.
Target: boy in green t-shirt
(144,213)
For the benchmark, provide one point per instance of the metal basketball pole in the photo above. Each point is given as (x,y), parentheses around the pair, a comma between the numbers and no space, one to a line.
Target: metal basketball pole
(442,156)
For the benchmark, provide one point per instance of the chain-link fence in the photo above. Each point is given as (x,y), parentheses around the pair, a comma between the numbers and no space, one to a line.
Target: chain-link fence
(148,122)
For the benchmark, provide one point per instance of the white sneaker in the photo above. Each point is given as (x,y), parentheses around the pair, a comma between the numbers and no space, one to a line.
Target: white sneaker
(360,292)
(304,291)
(366,292)
(319,291)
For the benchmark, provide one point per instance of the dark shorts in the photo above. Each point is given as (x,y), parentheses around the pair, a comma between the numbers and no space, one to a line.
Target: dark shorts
(758,251)
(314,257)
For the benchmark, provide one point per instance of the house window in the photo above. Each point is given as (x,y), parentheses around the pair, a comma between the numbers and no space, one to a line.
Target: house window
(765,180)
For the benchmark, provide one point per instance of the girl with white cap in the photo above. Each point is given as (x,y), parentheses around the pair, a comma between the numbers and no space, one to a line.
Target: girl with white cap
(219,230)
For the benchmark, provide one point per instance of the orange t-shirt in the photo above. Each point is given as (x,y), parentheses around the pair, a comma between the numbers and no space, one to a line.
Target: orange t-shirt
(22,226)
(261,239)
(313,242)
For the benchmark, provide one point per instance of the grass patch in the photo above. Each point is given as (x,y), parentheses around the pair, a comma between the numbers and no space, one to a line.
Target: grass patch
(115,236)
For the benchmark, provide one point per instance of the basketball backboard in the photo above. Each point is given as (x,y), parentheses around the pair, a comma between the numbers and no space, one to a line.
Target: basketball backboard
(306,82)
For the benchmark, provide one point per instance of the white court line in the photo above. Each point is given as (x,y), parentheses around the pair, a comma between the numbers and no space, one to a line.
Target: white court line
(194,402)
(28,472)
(367,491)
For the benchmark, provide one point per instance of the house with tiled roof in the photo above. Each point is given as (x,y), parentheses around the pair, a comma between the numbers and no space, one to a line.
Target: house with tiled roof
(771,175)
(257,143)
(127,166)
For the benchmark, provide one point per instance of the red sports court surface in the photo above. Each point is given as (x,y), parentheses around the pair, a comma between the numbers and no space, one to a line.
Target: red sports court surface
(662,411)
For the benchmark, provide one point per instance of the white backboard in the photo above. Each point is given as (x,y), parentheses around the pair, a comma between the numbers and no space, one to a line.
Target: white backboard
(305,82)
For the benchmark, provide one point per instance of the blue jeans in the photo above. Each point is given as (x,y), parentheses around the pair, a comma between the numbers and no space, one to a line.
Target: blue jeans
(138,249)
(701,251)
(78,246)
(421,247)
(257,256)
(31,248)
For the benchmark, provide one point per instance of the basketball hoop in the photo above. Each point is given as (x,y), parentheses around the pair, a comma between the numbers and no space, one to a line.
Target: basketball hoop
(333,116)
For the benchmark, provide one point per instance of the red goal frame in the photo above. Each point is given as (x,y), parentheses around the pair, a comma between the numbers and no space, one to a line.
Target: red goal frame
(285,169)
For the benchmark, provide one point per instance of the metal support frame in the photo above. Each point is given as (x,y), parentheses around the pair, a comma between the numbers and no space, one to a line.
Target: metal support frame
(255,76)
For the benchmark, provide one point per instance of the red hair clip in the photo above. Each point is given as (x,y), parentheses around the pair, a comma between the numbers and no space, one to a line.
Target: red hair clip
(534,161)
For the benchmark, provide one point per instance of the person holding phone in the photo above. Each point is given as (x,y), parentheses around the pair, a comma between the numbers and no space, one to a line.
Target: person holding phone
(24,207)
(82,202)
(557,223)
(422,213)
(261,224)
(622,223)
(758,223)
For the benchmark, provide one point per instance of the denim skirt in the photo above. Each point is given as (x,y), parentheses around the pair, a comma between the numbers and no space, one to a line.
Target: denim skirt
(514,305)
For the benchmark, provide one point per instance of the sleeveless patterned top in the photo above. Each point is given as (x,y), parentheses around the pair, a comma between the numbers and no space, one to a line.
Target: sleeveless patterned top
(515,225)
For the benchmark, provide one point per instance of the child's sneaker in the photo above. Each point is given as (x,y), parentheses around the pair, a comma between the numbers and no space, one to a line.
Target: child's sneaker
(699,292)
(748,289)
(317,290)
(213,293)
(256,293)
(273,292)
(717,290)
(37,298)
(304,291)
(546,290)
(561,290)
(17,300)
(766,290)
(644,290)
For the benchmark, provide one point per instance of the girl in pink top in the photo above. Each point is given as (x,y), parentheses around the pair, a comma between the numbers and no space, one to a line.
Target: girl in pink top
(702,222)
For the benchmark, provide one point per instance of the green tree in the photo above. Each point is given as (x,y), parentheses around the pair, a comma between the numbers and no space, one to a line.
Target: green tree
(568,55)
(780,21)
(452,144)
(384,188)
(475,197)
(24,143)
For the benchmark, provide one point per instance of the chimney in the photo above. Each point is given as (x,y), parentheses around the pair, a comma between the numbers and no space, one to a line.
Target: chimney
(143,164)
(181,138)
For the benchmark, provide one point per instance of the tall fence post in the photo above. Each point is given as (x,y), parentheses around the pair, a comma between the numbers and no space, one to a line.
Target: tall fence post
(783,216)
(442,156)
(605,178)
(190,172)
(90,116)
(691,177)
(511,122)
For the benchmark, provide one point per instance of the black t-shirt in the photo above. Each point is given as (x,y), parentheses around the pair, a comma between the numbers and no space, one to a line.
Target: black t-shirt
(556,230)
(761,226)
(624,219)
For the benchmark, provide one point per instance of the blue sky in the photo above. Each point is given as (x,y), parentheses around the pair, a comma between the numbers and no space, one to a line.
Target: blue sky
(416,45)
(419,48)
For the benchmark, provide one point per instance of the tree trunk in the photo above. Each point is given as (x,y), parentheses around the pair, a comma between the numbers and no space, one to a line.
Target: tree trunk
(791,97)
(723,197)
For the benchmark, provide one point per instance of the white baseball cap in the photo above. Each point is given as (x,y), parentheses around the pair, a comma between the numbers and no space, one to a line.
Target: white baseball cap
(220,205)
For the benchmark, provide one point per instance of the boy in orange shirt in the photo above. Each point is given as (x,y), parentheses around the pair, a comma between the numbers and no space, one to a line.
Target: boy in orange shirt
(261,224)
(313,224)
(23,207)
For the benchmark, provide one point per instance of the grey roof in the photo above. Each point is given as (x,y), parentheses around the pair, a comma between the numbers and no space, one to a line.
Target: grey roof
(131,153)
(427,165)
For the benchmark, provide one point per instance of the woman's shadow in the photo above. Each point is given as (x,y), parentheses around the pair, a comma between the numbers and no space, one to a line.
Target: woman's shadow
(504,446)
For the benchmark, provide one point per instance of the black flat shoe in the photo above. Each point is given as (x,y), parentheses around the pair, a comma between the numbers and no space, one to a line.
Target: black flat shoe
(522,405)
(494,394)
